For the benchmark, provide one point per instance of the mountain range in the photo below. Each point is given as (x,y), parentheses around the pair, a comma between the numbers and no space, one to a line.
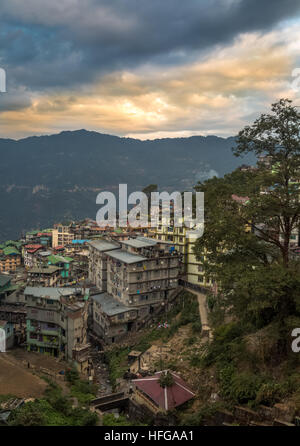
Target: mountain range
(46,179)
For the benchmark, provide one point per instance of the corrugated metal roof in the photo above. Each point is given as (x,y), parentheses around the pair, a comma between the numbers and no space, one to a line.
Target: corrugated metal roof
(140,242)
(44,270)
(104,245)
(51,292)
(4,280)
(126,257)
(110,305)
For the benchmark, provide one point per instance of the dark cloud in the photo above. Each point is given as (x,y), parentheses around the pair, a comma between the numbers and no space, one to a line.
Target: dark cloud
(68,42)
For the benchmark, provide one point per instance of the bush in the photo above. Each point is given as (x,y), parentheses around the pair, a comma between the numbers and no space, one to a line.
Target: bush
(72,375)
(240,387)
(197,327)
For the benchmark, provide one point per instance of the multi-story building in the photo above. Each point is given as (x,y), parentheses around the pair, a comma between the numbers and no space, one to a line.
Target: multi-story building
(10,259)
(139,275)
(44,275)
(56,320)
(62,235)
(64,263)
(193,271)
(30,254)
(98,262)
(142,272)
(111,319)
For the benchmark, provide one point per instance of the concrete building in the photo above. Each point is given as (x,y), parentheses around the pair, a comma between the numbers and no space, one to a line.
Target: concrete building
(10,259)
(111,319)
(30,254)
(138,275)
(6,336)
(193,271)
(45,275)
(56,320)
(98,262)
(62,235)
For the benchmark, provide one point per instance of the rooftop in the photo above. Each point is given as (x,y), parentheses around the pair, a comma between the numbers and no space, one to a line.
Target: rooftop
(126,257)
(52,292)
(109,305)
(165,397)
(140,242)
(54,259)
(104,245)
(49,269)
(4,280)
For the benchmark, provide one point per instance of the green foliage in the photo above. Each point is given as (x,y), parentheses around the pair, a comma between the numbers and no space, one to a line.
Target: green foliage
(197,327)
(199,417)
(72,375)
(166,380)
(109,419)
(184,312)
(52,410)
(117,360)
(227,345)
(83,391)
(258,280)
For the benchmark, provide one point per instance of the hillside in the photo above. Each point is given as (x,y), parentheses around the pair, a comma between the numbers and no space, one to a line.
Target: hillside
(48,178)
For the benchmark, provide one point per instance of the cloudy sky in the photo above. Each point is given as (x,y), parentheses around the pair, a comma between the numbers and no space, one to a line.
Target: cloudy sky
(145,68)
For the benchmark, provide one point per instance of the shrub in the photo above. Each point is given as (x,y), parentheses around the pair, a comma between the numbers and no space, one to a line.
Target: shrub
(197,327)
(72,375)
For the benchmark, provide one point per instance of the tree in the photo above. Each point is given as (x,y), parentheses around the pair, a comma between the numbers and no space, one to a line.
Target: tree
(249,218)
(276,137)
(166,379)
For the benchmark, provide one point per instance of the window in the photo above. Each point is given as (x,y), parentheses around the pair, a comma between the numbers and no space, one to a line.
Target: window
(200,279)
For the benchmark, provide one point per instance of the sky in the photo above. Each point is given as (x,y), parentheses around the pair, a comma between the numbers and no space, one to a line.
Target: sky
(145,68)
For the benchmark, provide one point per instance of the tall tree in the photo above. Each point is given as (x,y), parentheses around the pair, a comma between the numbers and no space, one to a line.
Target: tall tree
(249,218)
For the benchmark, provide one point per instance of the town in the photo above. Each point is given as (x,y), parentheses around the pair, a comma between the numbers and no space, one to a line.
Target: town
(71,291)
(83,296)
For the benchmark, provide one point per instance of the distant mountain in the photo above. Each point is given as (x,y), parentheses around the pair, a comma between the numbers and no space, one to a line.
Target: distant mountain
(51,178)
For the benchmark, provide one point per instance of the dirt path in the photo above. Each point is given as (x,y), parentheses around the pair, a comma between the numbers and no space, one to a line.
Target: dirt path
(202,312)
(15,379)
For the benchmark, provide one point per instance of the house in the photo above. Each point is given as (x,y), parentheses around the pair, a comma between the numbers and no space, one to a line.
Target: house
(6,335)
(162,392)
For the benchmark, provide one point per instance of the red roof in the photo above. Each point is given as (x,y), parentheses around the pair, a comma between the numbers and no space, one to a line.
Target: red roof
(168,397)
(32,248)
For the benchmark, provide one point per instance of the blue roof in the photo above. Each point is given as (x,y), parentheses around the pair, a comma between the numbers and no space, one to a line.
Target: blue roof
(79,242)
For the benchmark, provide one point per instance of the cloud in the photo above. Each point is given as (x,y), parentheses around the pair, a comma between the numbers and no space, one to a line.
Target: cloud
(70,42)
(217,94)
